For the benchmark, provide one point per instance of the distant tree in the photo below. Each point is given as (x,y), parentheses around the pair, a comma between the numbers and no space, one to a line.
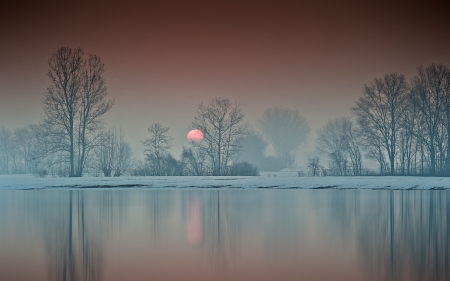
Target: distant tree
(74,104)
(221,124)
(253,147)
(140,168)
(285,129)
(172,166)
(338,138)
(314,166)
(243,169)
(379,112)
(331,139)
(194,162)
(114,154)
(5,150)
(157,147)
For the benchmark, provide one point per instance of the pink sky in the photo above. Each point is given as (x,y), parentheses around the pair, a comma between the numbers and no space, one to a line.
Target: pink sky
(164,59)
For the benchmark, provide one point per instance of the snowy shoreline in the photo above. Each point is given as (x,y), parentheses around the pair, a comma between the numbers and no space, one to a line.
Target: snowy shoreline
(265,181)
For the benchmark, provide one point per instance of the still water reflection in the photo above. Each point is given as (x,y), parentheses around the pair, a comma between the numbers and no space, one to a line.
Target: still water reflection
(224,235)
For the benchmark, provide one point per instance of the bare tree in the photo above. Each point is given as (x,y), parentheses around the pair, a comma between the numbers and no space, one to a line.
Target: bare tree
(431,93)
(74,104)
(157,147)
(194,162)
(221,123)
(285,129)
(409,138)
(379,111)
(5,148)
(114,154)
(314,166)
(352,143)
(331,139)
(340,140)
(92,107)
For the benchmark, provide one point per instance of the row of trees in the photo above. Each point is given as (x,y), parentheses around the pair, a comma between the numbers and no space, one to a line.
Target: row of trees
(229,147)
(72,138)
(404,127)
(26,151)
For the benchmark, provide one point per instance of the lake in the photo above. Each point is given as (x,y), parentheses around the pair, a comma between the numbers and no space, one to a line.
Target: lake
(224,234)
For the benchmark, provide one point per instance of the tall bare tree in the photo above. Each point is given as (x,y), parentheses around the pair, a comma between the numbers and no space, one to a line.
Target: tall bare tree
(379,111)
(221,123)
(74,104)
(157,147)
(92,107)
(285,129)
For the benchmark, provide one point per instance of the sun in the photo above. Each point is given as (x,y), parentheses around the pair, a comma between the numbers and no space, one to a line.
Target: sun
(195,135)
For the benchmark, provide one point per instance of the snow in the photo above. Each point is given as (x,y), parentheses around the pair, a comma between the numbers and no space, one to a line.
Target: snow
(281,180)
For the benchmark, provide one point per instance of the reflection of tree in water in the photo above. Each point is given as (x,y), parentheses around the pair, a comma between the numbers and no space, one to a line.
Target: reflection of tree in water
(282,223)
(159,205)
(402,235)
(75,227)
(220,227)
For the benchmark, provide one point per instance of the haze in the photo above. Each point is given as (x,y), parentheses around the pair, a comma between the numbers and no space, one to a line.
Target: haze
(163,59)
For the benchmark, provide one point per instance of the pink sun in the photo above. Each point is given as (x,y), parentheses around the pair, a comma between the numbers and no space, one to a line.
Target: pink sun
(195,135)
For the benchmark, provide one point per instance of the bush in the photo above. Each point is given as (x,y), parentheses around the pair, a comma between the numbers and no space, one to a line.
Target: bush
(243,169)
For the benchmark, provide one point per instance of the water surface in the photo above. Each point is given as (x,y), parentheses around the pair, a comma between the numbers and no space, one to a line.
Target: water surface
(224,234)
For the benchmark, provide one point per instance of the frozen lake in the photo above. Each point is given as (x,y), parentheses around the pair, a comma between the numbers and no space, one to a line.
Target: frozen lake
(224,234)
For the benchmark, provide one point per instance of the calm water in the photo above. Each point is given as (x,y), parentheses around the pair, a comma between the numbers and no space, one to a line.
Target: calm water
(224,235)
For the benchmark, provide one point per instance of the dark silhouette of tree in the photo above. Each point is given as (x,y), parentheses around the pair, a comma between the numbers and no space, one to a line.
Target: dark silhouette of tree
(314,166)
(285,129)
(379,111)
(221,124)
(408,139)
(74,104)
(243,169)
(194,162)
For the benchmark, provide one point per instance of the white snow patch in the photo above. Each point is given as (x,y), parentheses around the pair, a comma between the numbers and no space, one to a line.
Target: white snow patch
(281,180)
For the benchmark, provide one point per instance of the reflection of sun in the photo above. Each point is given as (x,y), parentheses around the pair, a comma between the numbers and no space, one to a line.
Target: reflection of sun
(195,135)
(194,222)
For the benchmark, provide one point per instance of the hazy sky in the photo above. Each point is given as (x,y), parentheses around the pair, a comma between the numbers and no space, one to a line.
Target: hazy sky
(165,57)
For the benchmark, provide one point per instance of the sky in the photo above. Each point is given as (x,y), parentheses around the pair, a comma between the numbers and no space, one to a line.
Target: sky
(163,58)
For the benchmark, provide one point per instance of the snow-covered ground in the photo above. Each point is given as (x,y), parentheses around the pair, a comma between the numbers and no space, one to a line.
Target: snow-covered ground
(281,180)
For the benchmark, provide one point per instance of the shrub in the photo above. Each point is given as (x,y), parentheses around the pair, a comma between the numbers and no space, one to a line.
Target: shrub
(243,169)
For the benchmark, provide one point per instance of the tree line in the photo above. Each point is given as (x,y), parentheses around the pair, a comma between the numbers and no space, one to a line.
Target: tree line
(403,127)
